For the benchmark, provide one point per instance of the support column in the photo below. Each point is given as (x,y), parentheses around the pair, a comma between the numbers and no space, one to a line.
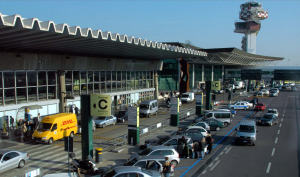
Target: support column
(212,72)
(223,75)
(202,73)
(248,85)
(62,92)
(193,77)
(208,95)
(156,85)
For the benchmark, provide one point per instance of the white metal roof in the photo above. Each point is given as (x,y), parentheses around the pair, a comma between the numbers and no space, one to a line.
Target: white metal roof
(21,34)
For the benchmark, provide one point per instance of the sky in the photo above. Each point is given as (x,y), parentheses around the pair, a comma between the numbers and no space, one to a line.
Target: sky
(206,24)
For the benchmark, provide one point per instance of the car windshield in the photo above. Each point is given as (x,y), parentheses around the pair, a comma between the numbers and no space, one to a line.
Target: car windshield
(200,124)
(44,126)
(267,116)
(110,173)
(162,140)
(144,106)
(273,91)
(146,151)
(184,96)
(274,112)
(259,104)
(147,172)
(246,128)
(131,162)
(101,118)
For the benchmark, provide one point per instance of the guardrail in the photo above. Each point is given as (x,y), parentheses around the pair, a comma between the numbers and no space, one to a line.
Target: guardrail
(38,172)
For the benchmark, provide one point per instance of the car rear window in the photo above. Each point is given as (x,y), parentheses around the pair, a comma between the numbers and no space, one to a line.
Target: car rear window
(271,111)
(146,151)
(260,104)
(131,162)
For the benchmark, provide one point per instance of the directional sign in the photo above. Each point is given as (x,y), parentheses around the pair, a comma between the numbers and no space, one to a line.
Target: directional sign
(215,85)
(100,105)
(133,116)
(174,106)
(199,98)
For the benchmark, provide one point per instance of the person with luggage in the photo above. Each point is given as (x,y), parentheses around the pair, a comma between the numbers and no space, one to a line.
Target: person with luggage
(202,145)
(196,149)
(167,167)
(24,129)
(209,141)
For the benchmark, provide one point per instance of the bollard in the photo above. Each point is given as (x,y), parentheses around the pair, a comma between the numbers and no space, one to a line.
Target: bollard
(98,155)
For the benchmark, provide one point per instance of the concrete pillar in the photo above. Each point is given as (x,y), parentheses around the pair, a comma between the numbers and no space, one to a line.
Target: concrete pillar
(193,77)
(223,75)
(212,72)
(156,85)
(202,72)
(62,91)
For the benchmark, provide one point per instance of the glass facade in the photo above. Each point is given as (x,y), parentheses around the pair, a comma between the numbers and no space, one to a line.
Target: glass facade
(207,73)
(217,73)
(168,76)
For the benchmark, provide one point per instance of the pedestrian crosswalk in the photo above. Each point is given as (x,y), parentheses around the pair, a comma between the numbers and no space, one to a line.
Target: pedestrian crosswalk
(53,159)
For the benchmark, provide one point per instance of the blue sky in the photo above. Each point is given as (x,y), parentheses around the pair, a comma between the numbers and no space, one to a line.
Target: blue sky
(207,24)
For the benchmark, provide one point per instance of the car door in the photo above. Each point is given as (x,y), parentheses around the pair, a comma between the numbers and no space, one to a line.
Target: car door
(213,124)
(55,134)
(5,162)
(153,165)
(172,142)
(237,106)
(243,105)
(10,160)
(141,164)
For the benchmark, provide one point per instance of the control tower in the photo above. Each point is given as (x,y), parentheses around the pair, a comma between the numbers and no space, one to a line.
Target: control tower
(251,13)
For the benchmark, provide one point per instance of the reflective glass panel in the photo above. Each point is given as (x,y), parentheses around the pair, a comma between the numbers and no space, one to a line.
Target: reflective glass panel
(96,88)
(76,90)
(90,77)
(0,79)
(51,92)
(118,86)
(32,94)
(102,89)
(69,90)
(148,74)
(102,75)
(9,80)
(83,77)
(90,88)
(113,88)
(123,83)
(68,77)
(123,75)
(132,77)
(42,78)
(108,76)
(21,95)
(144,74)
(1,97)
(83,88)
(128,85)
(113,78)
(51,78)
(96,76)
(9,96)
(128,75)
(31,78)
(42,93)
(76,77)
(119,75)
(140,84)
(21,78)
(108,87)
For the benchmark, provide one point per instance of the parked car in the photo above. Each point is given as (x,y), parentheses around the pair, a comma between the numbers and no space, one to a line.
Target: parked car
(238,105)
(122,116)
(268,119)
(215,124)
(202,124)
(163,151)
(103,121)
(260,107)
(265,92)
(151,163)
(287,87)
(250,105)
(273,111)
(294,88)
(194,134)
(171,140)
(273,93)
(218,91)
(130,171)
(232,111)
(11,159)
(196,128)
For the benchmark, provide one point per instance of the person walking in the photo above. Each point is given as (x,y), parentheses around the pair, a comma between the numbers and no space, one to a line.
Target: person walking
(39,116)
(209,141)
(202,145)
(186,151)
(167,167)
(24,129)
(196,148)
(71,109)
(12,122)
(76,111)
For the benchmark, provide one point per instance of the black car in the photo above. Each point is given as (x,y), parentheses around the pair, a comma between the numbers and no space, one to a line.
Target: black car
(194,134)
(268,119)
(122,116)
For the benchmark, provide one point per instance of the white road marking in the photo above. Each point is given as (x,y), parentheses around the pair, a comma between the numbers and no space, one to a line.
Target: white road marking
(281,119)
(276,140)
(216,158)
(280,125)
(210,165)
(228,150)
(273,152)
(268,169)
(282,115)
(215,165)
(38,152)
(278,132)
(222,153)
(203,172)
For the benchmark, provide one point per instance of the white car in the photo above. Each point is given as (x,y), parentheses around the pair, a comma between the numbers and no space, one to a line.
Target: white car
(265,92)
(250,105)
(238,105)
(197,128)
(273,111)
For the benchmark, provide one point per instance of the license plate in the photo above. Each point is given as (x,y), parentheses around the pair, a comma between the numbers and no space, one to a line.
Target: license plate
(245,141)
(263,123)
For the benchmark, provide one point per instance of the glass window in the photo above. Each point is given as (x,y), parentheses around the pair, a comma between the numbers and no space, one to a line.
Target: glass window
(51,92)
(96,76)
(128,75)
(69,90)
(42,93)
(128,85)
(102,73)
(148,74)
(96,88)
(31,78)
(141,75)
(42,77)
(9,80)
(76,77)
(21,78)
(151,75)
(76,90)
(90,77)
(132,76)
(167,152)
(103,90)
(82,77)
(113,88)
(0,79)
(123,75)
(119,75)
(21,95)
(140,84)
(118,86)
(1,96)
(9,96)
(144,74)
(108,87)
(90,88)
(114,77)
(141,164)
(51,78)
(83,88)
(32,94)
(137,75)
(123,83)
(68,77)
(108,75)
(155,153)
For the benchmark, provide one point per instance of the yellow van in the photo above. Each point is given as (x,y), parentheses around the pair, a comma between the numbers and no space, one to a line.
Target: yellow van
(55,127)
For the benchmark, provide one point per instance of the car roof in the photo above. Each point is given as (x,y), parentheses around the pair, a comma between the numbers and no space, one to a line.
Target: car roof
(269,114)
(155,157)
(3,151)
(195,126)
(161,147)
(178,137)
(272,109)
(247,122)
(127,169)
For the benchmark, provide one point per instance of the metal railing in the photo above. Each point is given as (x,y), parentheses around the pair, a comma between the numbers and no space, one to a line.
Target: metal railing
(38,172)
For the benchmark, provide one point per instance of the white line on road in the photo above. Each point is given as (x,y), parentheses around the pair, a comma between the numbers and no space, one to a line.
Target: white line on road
(228,150)
(278,132)
(222,153)
(268,169)
(282,115)
(273,152)
(210,165)
(216,159)
(283,112)
(280,125)
(215,165)
(203,172)
(276,140)
(281,119)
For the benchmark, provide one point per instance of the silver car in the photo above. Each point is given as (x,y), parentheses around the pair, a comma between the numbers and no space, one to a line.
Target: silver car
(131,171)
(105,120)
(11,159)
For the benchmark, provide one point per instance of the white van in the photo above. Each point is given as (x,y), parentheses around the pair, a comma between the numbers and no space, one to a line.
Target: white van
(187,97)
(148,107)
(220,115)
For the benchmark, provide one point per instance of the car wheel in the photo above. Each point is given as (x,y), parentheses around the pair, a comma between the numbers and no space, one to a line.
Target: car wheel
(174,163)
(21,164)
(122,120)
(72,134)
(218,129)
(245,108)
(50,141)
(103,126)
(226,124)
(114,123)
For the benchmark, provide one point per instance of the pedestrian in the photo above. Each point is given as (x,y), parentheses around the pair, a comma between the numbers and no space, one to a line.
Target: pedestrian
(24,129)
(39,116)
(202,145)
(35,122)
(71,109)
(12,122)
(196,149)
(209,141)
(186,151)
(76,111)
(167,167)
(20,124)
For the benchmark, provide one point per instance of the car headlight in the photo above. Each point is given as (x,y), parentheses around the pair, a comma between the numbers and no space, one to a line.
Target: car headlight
(237,136)
(253,138)
(44,138)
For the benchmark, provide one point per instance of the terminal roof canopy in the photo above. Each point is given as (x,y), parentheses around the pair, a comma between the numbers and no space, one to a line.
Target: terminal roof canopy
(229,56)
(19,34)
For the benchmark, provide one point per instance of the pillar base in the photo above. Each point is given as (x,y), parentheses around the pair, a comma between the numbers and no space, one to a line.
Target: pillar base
(133,135)
(199,110)
(175,119)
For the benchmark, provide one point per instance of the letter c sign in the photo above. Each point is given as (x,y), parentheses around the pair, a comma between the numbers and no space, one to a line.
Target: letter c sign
(100,104)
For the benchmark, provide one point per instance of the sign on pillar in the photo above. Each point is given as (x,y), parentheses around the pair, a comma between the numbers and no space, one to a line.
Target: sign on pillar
(174,112)
(100,105)
(199,104)
(133,125)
